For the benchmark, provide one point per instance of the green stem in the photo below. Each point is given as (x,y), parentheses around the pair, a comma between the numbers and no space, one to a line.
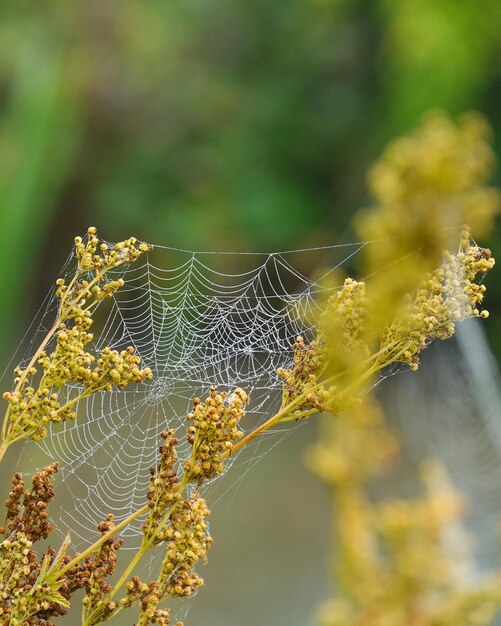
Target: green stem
(134,561)
(87,552)
(275,419)
(302,416)
(87,621)
(3,449)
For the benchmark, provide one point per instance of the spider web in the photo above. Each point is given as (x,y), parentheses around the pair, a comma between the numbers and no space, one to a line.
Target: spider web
(195,325)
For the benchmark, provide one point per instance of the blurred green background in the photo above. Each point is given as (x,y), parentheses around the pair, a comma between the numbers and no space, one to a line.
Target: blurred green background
(223,125)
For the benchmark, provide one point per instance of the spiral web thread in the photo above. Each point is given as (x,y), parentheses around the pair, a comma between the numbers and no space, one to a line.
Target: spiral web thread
(195,326)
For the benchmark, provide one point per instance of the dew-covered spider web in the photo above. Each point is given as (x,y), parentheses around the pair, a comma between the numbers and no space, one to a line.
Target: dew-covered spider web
(199,319)
(195,323)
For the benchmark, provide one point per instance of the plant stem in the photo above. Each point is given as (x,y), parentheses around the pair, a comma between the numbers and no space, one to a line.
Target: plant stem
(62,315)
(86,621)
(82,555)
(48,337)
(3,449)
(275,419)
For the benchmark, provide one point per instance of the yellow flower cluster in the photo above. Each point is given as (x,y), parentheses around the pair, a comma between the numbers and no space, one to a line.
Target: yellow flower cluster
(149,613)
(214,432)
(343,327)
(462,295)
(34,401)
(425,186)
(177,521)
(353,448)
(149,597)
(332,372)
(336,356)
(447,295)
(95,257)
(71,363)
(15,571)
(187,542)
(427,182)
(32,409)
(394,568)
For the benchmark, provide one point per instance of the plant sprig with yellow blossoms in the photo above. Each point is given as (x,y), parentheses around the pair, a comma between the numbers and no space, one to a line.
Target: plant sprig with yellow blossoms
(35,400)
(330,372)
(327,374)
(176,513)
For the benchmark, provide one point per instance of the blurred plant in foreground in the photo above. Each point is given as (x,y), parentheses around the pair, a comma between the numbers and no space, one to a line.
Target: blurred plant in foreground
(399,562)
(425,185)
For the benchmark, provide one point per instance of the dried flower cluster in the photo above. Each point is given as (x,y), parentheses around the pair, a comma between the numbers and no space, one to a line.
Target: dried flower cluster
(447,295)
(105,561)
(164,490)
(331,372)
(345,332)
(180,522)
(425,184)
(32,590)
(27,509)
(187,542)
